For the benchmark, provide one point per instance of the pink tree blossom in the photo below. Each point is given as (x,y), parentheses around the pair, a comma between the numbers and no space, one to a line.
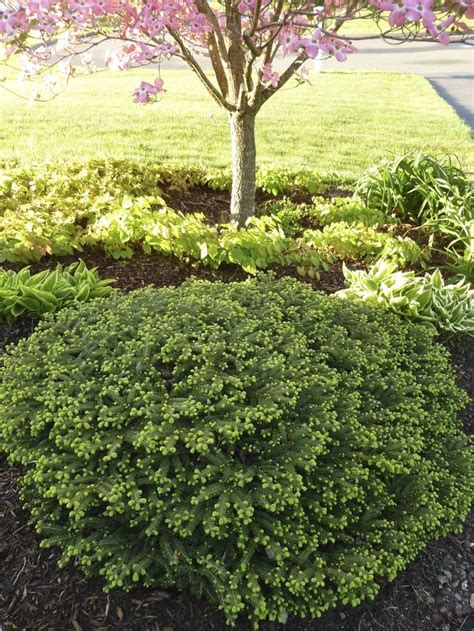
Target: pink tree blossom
(146,92)
(254,46)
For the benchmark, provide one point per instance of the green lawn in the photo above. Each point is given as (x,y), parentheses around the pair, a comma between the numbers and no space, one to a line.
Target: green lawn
(343,123)
(363,26)
(367,26)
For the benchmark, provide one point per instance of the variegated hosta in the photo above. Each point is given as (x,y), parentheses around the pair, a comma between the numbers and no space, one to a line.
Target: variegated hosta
(448,306)
(32,295)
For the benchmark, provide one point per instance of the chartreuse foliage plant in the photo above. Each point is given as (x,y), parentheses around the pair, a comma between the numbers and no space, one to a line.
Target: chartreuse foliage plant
(188,237)
(361,242)
(448,306)
(78,185)
(26,294)
(269,448)
(121,206)
(322,212)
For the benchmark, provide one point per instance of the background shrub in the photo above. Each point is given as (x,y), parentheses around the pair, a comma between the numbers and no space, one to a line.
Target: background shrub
(272,449)
(429,191)
(414,185)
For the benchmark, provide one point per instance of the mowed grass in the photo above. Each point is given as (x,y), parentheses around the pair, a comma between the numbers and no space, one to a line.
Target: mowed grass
(365,25)
(341,124)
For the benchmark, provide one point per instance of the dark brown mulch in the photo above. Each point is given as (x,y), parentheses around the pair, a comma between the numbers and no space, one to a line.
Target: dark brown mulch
(215,204)
(9,334)
(160,270)
(36,595)
(337,191)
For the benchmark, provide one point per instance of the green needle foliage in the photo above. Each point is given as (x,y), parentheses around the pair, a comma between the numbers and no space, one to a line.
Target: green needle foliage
(269,448)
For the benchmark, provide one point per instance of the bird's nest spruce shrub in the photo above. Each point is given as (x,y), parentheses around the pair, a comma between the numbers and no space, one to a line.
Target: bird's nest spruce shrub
(270,448)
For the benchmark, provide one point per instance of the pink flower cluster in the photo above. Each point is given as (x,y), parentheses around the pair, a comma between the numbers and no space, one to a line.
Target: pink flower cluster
(13,22)
(468,7)
(403,12)
(331,46)
(153,30)
(146,92)
(270,76)
(292,42)
(247,7)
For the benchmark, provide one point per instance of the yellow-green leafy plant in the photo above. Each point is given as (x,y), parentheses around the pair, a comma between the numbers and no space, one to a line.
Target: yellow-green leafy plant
(448,306)
(360,242)
(271,449)
(122,206)
(26,294)
(352,211)
(322,212)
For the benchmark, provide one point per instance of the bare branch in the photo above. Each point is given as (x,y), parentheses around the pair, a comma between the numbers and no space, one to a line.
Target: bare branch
(217,64)
(247,37)
(206,10)
(394,38)
(236,54)
(263,96)
(256,17)
(196,68)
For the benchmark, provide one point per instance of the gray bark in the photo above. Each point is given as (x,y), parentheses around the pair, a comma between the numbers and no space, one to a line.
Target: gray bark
(242,134)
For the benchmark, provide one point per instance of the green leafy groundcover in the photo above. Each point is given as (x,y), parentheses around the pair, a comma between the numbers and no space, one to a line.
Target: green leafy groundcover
(269,448)
(33,295)
(121,206)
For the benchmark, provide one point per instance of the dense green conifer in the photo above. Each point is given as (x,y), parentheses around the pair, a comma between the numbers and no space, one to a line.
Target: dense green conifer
(269,448)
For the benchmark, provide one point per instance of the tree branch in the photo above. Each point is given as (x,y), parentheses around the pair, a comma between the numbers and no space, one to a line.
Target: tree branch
(236,54)
(196,68)
(267,92)
(206,10)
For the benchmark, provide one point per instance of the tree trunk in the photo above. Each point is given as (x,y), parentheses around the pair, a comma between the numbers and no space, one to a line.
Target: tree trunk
(242,135)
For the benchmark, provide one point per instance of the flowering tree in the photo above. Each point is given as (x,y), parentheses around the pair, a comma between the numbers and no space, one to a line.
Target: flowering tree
(244,41)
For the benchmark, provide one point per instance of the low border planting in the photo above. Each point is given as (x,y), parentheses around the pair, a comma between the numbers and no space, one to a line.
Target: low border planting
(122,208)
(448,306)
(33,295)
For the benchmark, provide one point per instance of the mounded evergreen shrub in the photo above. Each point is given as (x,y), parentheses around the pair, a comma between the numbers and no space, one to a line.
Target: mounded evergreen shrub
(272,449)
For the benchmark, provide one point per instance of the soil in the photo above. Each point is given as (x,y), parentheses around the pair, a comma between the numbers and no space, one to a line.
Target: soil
(433,593)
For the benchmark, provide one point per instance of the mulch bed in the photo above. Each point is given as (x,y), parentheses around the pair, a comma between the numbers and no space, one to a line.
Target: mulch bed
(160,270)
(35,595)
